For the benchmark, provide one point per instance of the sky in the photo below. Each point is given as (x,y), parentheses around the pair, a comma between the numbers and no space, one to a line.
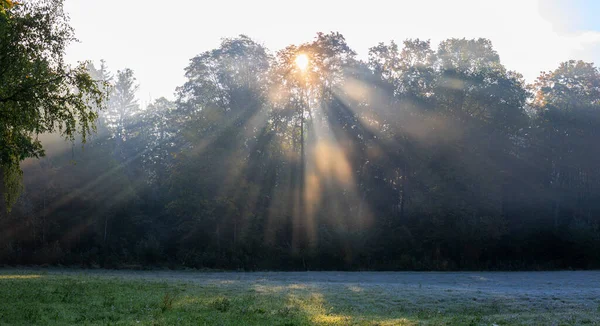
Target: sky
(158,38)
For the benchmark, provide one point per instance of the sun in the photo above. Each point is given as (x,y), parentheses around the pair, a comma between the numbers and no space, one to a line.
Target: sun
(302,61)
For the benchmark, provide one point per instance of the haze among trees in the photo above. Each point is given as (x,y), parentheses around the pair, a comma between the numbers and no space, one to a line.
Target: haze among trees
(421,157)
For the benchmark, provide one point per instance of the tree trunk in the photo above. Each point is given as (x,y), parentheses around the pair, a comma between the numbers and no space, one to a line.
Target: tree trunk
(556,213)
(403,190)
(235,231)
(44,216)
(3,212)
(218,232)
(557,190)
(105,227)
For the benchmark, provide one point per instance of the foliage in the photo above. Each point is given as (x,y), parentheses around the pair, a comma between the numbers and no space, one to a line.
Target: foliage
(39,93)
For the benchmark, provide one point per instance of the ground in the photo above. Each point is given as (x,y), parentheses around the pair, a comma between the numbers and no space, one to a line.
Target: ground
(93,297)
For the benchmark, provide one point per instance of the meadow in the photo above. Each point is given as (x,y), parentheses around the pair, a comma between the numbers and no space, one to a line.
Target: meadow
(59,297)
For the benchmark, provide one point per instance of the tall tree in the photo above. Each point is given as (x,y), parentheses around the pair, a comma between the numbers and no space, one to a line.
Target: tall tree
(39,92)
(567,105)
(122,105)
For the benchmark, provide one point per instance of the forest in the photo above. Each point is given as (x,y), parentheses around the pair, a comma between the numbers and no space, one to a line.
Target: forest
(418,157)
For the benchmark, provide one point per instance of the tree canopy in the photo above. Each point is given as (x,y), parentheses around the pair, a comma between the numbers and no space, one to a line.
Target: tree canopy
(418,157)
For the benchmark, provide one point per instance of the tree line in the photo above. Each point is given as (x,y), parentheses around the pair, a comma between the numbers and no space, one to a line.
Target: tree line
(417,158)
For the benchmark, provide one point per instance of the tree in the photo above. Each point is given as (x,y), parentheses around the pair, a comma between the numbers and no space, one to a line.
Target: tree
(567,118)
(122,105)
(301,100)
(39,92)
(157,128)
(406,79)
(224,103)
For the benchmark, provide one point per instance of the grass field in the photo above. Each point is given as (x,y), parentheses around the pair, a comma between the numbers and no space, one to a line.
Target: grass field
(57,297)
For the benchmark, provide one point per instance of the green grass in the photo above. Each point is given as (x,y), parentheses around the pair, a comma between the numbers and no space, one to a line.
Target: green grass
(43,299)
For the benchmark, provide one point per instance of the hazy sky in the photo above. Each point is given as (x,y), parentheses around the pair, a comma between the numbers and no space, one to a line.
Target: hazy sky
(157,38)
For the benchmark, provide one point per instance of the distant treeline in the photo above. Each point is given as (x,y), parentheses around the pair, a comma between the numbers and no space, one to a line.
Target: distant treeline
(415,159)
